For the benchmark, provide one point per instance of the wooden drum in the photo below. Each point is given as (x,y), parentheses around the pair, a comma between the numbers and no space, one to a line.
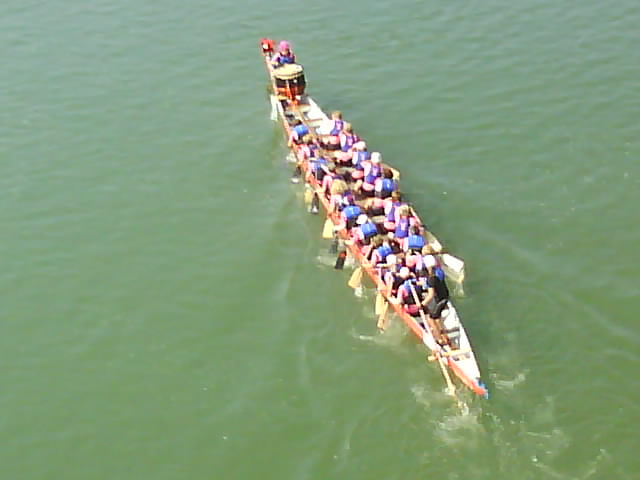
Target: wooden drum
(289,80)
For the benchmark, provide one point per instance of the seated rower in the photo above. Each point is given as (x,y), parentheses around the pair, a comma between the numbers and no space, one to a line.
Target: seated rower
(430,261)
(435,302)
(298,131)
(332,130)
(316,169)
(337,190)
(308,147)
(394,278)
(394,244)
(372,171)
(364,231)
(403,223)
(383,187)
(380,254)
(284,55)
(347,138)
(348,217)
(368,250)
(390,207)
(410,295)
(415,241)
(360,154)
(329,177)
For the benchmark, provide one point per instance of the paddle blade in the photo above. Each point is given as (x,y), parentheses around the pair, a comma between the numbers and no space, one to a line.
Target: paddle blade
(342,256)
(453,267)
(327,229)
(333,248)
(274,108)
(315,204)
(308,196)
(356,278)
(379,304)
(382,319)
(295,177)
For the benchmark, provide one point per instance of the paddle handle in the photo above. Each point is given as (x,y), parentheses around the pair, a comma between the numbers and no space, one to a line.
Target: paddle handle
(443,367)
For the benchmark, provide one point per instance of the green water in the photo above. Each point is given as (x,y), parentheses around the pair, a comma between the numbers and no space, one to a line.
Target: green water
(168,307)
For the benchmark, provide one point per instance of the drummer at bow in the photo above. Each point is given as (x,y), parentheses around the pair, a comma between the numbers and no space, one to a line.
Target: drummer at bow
(284,55)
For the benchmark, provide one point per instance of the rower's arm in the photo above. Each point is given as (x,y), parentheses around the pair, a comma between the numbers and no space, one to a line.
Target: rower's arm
(430,294)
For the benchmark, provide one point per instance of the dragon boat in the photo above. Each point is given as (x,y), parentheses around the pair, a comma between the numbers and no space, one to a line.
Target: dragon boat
(290,103)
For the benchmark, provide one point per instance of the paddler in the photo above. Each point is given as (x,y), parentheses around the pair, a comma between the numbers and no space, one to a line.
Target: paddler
(349,215)
(380,254)
(405,295)
(372,171)
(394,280)
(360,155)
(337,190)
(298,131)
(384,186)
(284,55)
(428,259)
(415,241)
(383,189)
(308,147)
(414,253)
(403,223)
(364,231)
(332,130)
(435,301)
(390,207)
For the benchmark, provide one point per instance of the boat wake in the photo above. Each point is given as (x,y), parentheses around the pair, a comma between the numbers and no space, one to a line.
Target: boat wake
(462,416)
(393,336)
(510,384)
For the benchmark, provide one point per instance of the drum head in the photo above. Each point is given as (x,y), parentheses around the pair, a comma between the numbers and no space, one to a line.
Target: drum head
(288,71)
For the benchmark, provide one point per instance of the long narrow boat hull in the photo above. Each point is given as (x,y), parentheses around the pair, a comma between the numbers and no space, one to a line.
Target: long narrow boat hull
(461,359)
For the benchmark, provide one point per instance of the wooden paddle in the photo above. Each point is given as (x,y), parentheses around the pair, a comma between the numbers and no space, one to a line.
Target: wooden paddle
(342,256)
(382,317)
(297,173)
(356,278)
(452,353)
(327,229)
(450,386)
(379,303)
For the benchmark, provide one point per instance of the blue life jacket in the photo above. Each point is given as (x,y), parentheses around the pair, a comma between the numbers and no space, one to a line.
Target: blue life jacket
(402,228)
(351,212)
(313,150)
(374,172)
(409,299)
(415,242)
(388,185)
(347,199)
(391,216)
(368,229)
(301,130)
(315,163)
(337,127)
(283,59)
(358,158)
(384,251)
(439,272)
(349,141)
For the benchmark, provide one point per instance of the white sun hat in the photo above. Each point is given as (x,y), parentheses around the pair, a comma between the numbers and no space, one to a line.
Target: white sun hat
(429,261)
(362,218)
